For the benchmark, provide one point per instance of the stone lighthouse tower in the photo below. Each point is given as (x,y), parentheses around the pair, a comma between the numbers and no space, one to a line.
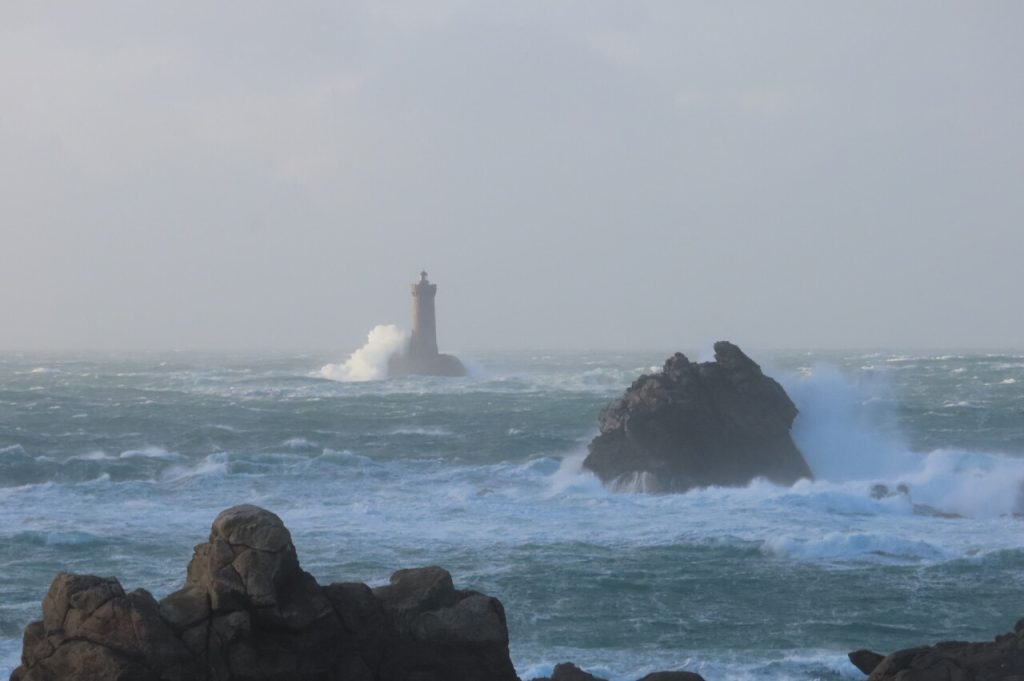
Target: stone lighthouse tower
(423,341)
(421,355)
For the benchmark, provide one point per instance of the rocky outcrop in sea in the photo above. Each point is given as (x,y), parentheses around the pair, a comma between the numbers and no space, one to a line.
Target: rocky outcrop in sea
(718,423)
(248,611)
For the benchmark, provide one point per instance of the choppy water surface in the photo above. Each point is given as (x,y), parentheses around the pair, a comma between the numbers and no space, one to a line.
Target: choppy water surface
(117,467)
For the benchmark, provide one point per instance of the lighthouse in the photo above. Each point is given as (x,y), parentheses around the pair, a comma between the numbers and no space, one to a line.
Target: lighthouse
(421,355)
(423,341)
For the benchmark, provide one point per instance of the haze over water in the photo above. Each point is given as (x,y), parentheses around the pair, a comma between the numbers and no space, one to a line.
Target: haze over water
(116,466)
(586,174)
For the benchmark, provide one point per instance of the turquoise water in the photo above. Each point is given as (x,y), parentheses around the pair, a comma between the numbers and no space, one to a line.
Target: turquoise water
(117,466)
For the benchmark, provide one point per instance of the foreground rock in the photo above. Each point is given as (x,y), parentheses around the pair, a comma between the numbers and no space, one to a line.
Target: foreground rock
(696,425)
(1001,659)
(248,611)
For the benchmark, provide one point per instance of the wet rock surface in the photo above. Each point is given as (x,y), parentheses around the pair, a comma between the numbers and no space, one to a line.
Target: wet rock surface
(865,660)
(248,611)
(697,425)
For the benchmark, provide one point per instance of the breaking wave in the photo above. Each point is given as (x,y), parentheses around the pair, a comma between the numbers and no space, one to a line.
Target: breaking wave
(845,436)
(370,362)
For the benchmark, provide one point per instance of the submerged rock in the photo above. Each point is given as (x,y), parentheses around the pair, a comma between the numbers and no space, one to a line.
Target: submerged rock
(248,611)
(1001,659)
(567,671)
(697,425)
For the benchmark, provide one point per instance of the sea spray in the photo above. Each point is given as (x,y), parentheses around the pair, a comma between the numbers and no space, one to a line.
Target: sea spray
(839,437)
(370,362)
(844,440)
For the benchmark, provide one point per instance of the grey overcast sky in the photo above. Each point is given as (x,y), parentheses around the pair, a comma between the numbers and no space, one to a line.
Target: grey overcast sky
(574,174)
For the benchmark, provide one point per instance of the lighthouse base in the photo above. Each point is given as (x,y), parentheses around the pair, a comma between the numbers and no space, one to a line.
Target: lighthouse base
(406,364)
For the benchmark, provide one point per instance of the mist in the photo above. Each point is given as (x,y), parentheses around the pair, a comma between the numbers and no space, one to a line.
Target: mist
(572,175)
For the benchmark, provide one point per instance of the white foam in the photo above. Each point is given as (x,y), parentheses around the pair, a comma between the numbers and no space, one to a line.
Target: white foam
(150,452)
(345,457)
(370,362)
(841,442)
(969,484)
(637,482)
(297,443)
(433,431)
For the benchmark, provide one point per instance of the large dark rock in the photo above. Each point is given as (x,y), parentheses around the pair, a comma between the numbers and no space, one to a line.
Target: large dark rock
(1001,659)
(697,425)
(247,611)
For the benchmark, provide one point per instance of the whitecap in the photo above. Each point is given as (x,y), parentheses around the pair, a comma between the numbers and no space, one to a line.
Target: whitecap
(96,455)
(297,443)
(857,546)
(150,452)
(433,431)
(212,465)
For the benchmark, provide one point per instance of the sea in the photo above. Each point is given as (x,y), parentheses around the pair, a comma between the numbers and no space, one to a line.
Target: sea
(117,464)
